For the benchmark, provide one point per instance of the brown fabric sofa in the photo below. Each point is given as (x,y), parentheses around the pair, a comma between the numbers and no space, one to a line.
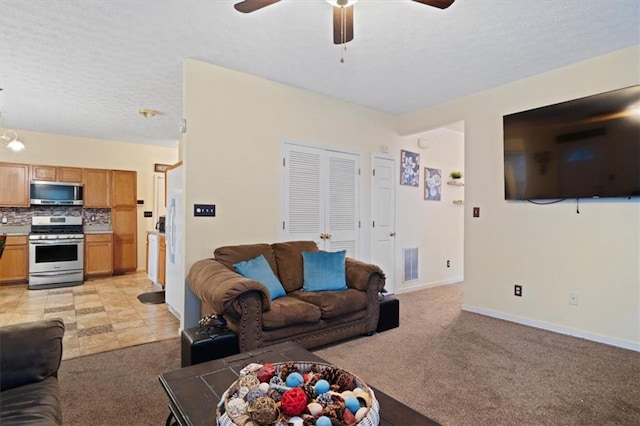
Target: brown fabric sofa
(30,355)
(309,318)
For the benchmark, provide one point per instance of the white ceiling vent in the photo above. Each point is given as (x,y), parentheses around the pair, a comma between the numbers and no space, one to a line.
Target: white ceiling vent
(410,262)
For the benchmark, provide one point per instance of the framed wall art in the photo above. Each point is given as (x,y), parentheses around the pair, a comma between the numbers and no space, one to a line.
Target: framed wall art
(409,168)
(432,184)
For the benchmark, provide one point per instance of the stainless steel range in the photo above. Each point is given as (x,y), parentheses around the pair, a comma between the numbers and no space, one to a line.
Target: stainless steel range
(56,252)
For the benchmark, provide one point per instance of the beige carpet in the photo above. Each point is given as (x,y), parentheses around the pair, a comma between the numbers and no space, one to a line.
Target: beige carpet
(455,367)
(460,368)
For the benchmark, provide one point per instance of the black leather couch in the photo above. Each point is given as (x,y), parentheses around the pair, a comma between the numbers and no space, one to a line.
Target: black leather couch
(30,355)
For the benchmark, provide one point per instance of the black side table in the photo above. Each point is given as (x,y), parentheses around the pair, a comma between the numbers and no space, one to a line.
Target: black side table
(198,345)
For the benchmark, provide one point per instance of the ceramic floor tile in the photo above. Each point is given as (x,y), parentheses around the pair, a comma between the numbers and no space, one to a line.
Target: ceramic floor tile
(135,336)
(100,315)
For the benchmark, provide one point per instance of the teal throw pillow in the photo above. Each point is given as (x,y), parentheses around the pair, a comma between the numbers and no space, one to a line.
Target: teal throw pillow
(324,271)
(258,269)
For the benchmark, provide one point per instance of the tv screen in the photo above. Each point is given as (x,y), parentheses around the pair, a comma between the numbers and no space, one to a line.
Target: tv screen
(583,148)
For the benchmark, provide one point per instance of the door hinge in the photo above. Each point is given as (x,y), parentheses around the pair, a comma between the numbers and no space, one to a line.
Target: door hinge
(374,223)
(359,172)
(359,224)
(283,225)
(284,160)
(374,172)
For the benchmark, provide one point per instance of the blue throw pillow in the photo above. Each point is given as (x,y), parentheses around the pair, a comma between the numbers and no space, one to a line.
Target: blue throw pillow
(324,271)
(258,269)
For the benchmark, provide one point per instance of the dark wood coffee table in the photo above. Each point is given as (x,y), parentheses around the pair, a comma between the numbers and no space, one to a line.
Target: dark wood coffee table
(195,391)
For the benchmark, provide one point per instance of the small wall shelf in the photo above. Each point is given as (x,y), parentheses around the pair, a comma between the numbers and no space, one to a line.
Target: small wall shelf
(454,183)
(458,202)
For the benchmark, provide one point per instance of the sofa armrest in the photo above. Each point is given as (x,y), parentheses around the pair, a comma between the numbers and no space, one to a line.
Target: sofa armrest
(361,275)
(221,288)
(30,352)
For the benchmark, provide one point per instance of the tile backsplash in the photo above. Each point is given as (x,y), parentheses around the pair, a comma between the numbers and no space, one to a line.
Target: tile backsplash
(21,216)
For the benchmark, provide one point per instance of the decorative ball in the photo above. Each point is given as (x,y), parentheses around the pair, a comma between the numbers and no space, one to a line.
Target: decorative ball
(348,418)
(352,404)
(314,409)
(293,402)
(253,395)
(264,387)
(322,386)
(323,421)
(263,410)
(249,381)
(266,372)
(294,379)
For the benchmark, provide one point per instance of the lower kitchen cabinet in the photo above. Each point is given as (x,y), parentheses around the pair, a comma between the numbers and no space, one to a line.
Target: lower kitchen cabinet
(14,264)
(162,266)
(98,255)
(125,245)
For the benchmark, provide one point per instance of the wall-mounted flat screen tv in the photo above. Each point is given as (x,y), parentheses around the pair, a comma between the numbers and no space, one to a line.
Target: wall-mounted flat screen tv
(583,148)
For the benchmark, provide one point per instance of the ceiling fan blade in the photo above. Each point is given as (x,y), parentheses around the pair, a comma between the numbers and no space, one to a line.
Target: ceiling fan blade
(248,6)
(342,34)
(440,4)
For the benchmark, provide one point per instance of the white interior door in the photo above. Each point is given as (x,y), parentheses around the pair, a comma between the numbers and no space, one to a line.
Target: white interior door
(342,202)
(384,218)
(321,198)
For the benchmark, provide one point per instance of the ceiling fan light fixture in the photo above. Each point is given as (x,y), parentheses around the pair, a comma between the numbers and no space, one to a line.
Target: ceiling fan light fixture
(12,137)
(342,3)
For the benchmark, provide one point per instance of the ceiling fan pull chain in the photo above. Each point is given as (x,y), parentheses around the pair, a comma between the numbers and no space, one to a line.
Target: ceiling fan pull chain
(343,24)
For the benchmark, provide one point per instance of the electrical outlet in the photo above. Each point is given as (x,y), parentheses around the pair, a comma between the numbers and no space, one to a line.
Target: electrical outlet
(573,299)
(448,264)
(517,290)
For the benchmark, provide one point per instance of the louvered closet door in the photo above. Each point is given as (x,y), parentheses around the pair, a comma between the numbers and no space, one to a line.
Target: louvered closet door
(320,197)
(342,202)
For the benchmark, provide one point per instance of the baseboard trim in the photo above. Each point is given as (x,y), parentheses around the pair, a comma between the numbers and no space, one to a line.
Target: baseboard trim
(554,328)
(422,286)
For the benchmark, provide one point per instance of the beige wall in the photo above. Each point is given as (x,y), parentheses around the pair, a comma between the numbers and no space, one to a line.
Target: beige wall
(550,250)
(435,227)
(235,126)
(61,150)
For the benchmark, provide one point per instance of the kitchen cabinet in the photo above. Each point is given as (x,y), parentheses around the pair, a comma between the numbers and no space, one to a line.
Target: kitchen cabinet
(14,190)
(14,264)
(124,209)
(56,174)
(123,184)
(125,248)
(97,188)
(162,265)
(98,254)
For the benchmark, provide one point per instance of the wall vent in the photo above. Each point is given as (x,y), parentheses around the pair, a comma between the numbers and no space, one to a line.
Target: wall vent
(410,262)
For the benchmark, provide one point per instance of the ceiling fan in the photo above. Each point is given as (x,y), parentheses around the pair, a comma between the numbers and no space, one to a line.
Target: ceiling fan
(342,14)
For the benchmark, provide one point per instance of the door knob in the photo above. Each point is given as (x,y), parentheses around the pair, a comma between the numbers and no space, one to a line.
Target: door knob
(392,234)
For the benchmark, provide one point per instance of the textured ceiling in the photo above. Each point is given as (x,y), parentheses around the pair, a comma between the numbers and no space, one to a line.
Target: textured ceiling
(84,68)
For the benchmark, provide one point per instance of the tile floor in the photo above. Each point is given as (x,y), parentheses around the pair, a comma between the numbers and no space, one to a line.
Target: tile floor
(99,315)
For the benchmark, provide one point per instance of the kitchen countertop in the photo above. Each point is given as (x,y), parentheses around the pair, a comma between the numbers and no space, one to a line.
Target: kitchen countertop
(15,230)
(108,231)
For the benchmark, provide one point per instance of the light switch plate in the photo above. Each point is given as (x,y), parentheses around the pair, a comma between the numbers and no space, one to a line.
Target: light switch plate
(207,210)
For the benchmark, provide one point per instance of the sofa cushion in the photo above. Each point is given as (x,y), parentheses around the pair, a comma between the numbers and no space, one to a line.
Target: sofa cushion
(289,260)
(287,311)
(334,303)
(323,271)
(33,404)
(230,255)
(258,269)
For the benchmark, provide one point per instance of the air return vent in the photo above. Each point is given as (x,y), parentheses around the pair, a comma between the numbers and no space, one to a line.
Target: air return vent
(410,261)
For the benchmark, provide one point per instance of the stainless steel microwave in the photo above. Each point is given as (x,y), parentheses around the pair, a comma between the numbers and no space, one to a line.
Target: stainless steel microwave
(56,193)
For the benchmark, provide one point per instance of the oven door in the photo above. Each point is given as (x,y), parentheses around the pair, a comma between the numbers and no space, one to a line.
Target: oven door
(56,255)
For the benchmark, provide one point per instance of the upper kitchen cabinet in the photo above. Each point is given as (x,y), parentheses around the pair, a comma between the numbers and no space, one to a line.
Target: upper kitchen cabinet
(14,187)
(123,184)
(57,174)
(97,188)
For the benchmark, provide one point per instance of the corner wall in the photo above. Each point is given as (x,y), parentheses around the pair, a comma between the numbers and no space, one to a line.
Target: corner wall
(550,250)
